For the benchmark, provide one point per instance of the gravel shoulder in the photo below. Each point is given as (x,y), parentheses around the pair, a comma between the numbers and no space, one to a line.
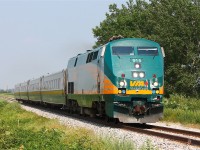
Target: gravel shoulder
(112,133)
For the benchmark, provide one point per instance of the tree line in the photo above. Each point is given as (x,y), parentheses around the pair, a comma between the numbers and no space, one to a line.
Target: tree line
(174,24)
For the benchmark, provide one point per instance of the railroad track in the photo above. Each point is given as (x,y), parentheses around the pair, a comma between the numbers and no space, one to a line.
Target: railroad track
(182,136)
(173,130)
(178,135)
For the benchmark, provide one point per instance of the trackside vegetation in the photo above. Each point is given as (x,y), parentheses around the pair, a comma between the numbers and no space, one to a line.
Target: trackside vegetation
(22,130)
(182,109)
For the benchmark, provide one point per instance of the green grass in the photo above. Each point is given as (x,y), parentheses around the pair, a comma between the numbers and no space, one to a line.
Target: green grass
(22,130)
(182,109)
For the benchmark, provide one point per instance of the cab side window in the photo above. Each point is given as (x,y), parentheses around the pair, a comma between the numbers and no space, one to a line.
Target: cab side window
(92,56)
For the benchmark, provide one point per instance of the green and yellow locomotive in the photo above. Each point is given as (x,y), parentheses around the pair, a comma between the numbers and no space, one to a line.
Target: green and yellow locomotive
(123,79)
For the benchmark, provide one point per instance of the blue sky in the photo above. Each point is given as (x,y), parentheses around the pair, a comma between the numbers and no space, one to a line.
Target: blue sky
(39,36)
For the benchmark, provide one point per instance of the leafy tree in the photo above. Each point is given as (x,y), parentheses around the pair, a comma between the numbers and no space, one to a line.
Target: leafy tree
(126,21)
(175,24)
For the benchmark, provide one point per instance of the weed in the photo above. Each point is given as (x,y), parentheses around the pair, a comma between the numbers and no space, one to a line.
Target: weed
(148,146)
(179,108)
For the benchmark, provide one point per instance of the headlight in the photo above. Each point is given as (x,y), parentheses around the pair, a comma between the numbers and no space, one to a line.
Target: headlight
(155,83)
(137,65)
(122,83)
(135,74)
(138,74)
(141,74)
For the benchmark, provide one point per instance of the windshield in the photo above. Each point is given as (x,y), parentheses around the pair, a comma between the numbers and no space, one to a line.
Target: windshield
(122,50)
(147,51)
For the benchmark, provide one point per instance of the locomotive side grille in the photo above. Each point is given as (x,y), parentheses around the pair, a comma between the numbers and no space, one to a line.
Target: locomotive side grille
(70,87)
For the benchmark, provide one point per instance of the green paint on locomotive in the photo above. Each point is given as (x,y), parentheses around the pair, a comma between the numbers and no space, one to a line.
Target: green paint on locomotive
(85,100)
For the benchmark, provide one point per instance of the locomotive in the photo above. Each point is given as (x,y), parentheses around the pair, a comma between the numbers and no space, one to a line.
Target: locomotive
(123,79)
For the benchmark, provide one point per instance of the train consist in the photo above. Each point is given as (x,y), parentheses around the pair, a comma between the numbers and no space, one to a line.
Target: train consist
(122,79)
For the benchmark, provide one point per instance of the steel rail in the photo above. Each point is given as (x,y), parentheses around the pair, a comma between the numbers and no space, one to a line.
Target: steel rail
(173,130)
(185,140)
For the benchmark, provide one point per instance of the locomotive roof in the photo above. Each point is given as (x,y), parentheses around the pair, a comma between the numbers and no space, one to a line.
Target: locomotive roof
(87,52)
(115,41)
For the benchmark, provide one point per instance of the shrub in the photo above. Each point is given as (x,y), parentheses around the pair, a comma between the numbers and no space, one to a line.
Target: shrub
(179,108)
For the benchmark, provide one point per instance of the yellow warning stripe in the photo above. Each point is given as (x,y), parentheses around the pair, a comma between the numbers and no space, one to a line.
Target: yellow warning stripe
(139,92)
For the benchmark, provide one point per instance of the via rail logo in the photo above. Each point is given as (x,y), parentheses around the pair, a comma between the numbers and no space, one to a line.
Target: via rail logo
(138,83)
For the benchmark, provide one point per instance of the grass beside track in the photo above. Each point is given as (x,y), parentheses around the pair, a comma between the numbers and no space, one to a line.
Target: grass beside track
(22,130)
(182,109)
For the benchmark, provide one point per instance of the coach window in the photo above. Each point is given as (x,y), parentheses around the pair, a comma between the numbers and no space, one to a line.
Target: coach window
(48,85)
(54,83)
(59,83)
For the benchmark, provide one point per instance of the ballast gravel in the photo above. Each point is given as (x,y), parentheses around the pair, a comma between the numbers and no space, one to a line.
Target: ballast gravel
(119,134)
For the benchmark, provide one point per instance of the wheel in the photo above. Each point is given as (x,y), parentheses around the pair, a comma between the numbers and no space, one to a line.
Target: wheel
(107,119)
(116,120)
